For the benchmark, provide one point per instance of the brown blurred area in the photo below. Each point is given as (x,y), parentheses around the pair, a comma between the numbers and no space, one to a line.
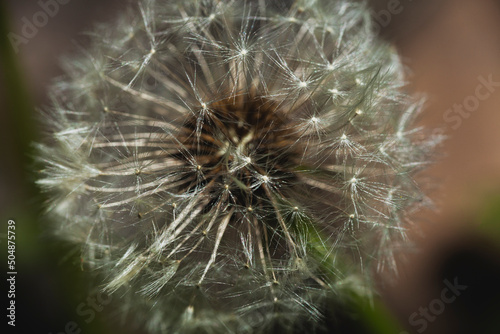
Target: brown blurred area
(447,46)
(451,47)
(38,60)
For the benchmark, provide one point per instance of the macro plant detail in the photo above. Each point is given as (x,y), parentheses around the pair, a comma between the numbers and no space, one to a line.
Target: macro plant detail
(229,165)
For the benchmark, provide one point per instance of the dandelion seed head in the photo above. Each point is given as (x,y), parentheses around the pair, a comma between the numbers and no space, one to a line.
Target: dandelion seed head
(212,176)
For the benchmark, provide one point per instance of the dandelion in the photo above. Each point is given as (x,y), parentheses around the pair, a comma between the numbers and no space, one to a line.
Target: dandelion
(227,165)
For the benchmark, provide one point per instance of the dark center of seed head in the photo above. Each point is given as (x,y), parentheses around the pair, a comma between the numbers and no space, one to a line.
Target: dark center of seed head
(239,142)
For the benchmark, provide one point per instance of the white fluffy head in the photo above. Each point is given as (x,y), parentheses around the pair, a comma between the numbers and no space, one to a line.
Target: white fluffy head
(229,164)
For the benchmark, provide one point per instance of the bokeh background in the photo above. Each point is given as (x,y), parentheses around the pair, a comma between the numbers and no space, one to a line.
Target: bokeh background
(449,47)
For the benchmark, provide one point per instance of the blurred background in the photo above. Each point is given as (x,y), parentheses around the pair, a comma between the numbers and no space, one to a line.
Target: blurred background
(451,49)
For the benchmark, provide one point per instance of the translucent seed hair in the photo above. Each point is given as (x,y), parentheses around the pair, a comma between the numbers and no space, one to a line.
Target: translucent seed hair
(229,165)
